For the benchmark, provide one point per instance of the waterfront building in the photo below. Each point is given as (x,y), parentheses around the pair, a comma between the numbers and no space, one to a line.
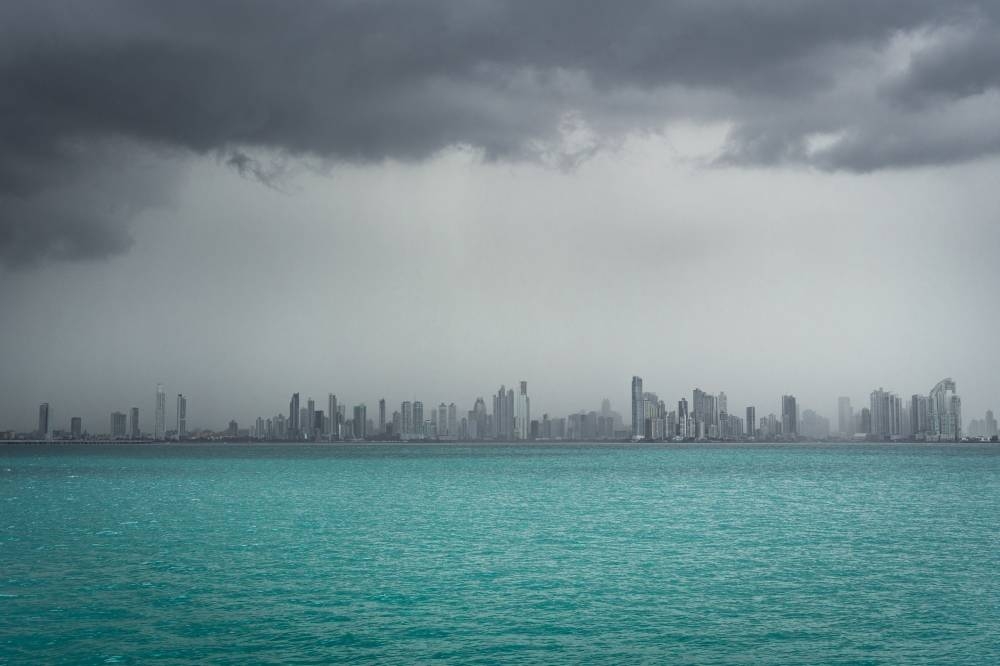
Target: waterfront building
(523,417)
(118,425)
(133,423)
(160,414)
(43,420)
(638,417)
(845,417)
(419,427)
(293,418)
(360,421)
(181,416)
(945,408)
(76,427)
(789,417)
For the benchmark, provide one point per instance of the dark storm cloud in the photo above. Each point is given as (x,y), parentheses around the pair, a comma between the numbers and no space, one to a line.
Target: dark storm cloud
(364,81)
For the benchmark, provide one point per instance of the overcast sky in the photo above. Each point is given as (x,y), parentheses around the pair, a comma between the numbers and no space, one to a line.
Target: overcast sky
(427,200)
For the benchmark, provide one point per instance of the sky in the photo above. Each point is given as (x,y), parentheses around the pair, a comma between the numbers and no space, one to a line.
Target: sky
(241,200)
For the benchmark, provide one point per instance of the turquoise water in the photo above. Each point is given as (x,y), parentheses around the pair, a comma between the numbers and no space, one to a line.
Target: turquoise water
(414,554)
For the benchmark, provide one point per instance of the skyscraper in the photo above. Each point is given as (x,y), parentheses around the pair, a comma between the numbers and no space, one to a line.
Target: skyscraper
(331,404)
(181,416)
(886,413)
(310,420)
(503,414)
(160,414)
(118,427)
(845,417)
(418,419)
(76,427)
(381,416)
(43,420)
(638,417)
(990,424)
(360,421)
(945,412)
(452,420)
(751,421)
(406,419)
(789,416)
(523,418)
(293,417)
(133,423)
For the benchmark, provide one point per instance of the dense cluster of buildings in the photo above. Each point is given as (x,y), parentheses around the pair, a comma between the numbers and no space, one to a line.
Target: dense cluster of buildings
(507,416)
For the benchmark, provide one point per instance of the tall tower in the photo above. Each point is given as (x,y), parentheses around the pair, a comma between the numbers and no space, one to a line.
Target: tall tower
(133,423)
(43,420)
(181,416)
(381,416)
(308,426)
(360,421)
(523,419)
(751,424)
(331,405)
(406,419)
(160,415)
(293,417)
(418,418)
(789,416)
(845,416)
(638,418)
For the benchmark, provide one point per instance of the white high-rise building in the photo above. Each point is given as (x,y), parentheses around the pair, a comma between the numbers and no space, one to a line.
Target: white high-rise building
(945,409)
(160,416)
(523,417)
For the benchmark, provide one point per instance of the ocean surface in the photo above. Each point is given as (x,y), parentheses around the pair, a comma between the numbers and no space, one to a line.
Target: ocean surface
(401,554)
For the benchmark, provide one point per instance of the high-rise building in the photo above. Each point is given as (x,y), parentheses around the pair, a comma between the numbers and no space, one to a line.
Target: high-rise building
(381,416)
(865,421)
(990,425)
(789,417)
(441,418)
(751,421)
(181,416)
(845,417)
(331,404)
(360,421)
(406,419)
(945,409)
(293,417)
(638,416)
(452,421)
(310,420)
(503,414)
(886,414)
(919,416)
(160,414)
(418,419)
(76,427)
(43,420)
(133,423)
(118,425)
(523,417)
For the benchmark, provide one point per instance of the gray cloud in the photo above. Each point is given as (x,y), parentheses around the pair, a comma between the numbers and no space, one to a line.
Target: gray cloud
(367,81)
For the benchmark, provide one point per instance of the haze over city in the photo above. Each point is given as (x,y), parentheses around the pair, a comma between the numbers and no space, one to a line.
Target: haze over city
(424,203)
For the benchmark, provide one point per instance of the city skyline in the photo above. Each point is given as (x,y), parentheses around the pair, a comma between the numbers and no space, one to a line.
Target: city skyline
(818,216)
(707,417)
